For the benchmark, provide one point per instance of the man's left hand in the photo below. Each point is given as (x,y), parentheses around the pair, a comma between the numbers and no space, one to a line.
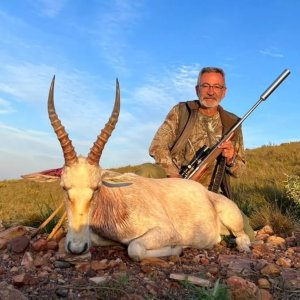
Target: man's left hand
(227,151)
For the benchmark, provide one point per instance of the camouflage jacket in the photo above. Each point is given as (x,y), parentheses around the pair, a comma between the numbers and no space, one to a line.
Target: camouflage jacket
(206,131)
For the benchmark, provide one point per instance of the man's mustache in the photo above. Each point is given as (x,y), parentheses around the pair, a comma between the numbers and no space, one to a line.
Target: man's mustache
(209,98)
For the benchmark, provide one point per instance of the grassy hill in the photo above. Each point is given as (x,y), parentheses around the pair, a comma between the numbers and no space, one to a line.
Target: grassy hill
(261,192)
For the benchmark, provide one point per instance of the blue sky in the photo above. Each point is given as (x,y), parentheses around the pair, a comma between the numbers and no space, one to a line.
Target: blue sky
(155,48)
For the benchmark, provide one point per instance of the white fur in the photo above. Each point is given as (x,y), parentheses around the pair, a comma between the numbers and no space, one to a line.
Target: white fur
(154,217)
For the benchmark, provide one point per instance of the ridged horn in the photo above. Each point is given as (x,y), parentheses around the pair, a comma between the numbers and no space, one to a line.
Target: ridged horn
(96,150)
(66,144)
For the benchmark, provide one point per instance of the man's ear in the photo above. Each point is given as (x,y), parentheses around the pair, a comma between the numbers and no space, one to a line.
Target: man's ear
(197,90)
(224,92)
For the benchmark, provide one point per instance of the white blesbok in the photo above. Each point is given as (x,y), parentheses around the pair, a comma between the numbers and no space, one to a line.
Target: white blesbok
(153,217)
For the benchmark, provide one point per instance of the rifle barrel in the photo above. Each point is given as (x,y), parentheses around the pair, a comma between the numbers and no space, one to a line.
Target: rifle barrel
(275,84)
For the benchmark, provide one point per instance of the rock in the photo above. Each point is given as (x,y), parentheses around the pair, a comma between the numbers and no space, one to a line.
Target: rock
(266,230)
(264,283)
(99,265)
(83,267)
(8,292)
(270,269)
(241,288)
(236,265)
(276,241)
(21,279)
(39,261)
(213,270)
(62,292)
(18,244)
(152,289)
(264,295)
(284,262)
(155,261)
(61,264)
(52,245)
(99,279)
(192,279)
(262,237)
(291,279)
(61,246)
(39,245)
(27,260)
(58,235)
(7,235)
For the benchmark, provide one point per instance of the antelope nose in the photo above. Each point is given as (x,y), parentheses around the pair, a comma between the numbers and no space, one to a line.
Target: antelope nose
(77,250)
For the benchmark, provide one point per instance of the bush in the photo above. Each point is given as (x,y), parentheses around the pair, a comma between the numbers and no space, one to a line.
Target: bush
(292,186)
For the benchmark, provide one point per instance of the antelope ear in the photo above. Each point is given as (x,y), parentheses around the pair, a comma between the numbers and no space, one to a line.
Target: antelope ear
(118,180)
(44,176)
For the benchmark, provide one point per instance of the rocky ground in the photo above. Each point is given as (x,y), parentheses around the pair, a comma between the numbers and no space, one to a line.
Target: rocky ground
(40,269)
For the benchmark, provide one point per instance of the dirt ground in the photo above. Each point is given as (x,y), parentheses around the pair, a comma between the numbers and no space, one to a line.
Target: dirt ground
(270,271)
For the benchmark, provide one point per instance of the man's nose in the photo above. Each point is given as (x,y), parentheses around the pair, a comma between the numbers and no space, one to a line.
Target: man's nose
(210,90)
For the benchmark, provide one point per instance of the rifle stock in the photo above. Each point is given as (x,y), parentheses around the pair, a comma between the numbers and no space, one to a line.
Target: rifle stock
(197,167)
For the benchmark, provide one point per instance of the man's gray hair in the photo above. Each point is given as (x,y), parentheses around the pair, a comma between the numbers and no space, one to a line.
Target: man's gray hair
(210,70)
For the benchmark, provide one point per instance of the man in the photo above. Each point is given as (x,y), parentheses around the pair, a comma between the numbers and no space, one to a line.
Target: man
(173,147)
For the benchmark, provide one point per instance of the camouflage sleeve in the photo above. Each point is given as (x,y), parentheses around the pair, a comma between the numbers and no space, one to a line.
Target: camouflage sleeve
(163,141)
(239,164)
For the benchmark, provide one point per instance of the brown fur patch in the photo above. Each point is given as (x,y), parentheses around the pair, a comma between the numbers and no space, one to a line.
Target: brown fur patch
(111,214)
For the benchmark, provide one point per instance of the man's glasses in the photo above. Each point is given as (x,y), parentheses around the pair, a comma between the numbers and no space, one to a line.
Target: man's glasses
(215,87)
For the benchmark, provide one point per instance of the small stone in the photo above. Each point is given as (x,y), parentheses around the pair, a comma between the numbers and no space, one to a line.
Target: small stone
(13,232)
(14,269)
(284,262)
(263,283)
(61,264)
(83,267)
(270,269)
(27,260)
(99,280)
(99,265)
(18,244)
(241,288)
(20,279)
(39,245)
(192,279)
(62,292)
(39,261)
(213,270)
(52,245)
(276,241)
(155,261)
(7,291)
(266,230)
(264,295)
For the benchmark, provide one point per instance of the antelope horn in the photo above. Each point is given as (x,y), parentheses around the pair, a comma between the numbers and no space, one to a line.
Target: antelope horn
(96,150)
(66,144)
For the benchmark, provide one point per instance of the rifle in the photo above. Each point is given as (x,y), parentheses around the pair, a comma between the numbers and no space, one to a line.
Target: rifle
(205,155)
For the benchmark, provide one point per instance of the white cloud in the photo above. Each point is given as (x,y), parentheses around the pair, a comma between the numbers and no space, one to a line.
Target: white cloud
(167,88)
(113,29)
(49,8)
(271,52)
(5,107)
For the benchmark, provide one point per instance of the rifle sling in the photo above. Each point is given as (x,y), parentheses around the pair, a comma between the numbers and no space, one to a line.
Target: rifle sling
(187,120)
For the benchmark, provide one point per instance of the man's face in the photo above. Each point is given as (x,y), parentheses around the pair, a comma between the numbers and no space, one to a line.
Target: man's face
(211,89)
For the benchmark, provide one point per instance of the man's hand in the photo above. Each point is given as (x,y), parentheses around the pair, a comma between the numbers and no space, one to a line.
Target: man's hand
(227,151)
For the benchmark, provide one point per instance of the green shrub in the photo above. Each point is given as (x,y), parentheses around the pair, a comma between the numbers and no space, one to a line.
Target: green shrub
(292,186)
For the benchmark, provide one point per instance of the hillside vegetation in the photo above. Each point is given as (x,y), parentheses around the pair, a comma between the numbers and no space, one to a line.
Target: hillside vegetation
(268,191)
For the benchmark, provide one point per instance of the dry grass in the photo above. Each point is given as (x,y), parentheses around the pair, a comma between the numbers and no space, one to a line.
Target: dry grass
(28,203)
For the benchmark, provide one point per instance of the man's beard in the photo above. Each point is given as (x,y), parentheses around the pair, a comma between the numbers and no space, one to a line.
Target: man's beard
(204,102)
